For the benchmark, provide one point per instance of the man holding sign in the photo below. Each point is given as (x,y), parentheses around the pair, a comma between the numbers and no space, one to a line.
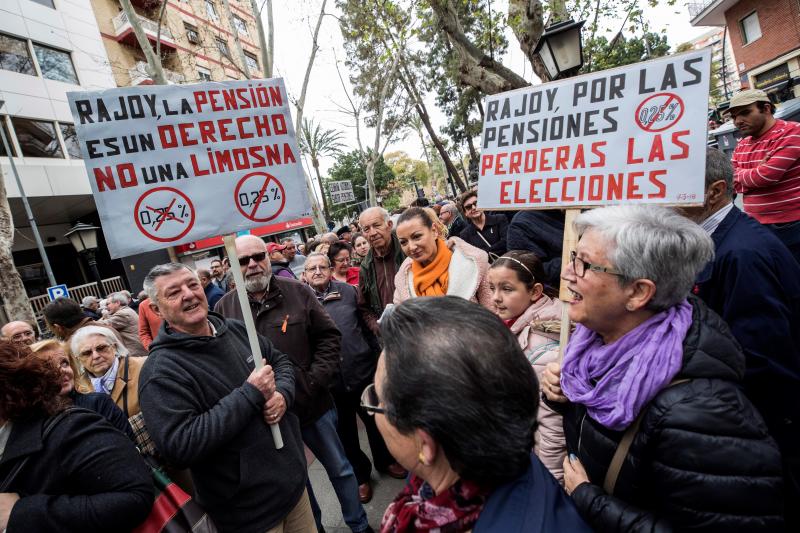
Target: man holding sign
(206,409)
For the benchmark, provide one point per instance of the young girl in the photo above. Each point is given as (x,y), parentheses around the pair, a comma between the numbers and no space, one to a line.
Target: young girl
(516,282)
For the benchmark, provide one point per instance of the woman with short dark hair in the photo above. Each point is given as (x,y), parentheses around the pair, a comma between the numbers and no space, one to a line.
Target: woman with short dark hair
(62,470)
(456,400)
(340,255)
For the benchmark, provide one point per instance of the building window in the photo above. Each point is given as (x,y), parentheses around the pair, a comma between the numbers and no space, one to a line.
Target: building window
(45,3)
(252,62)
(751,29)
(211,11)
(70,140)
(241,25)
(191,33)
(222,46)
(37,138)
(204,74)
(55,64)
(3,152)
(15,56)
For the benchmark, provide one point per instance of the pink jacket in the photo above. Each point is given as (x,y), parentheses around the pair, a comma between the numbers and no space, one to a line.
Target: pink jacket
(467,275)
(541,348)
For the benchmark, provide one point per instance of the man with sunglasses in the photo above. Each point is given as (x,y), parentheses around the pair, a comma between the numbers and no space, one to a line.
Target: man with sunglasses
(484,231)
(287,313)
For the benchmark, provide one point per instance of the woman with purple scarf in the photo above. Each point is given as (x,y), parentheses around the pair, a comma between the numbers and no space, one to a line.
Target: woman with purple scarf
(659,435)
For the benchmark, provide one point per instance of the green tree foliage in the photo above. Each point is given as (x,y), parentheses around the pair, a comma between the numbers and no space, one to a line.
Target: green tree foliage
(316,142)
(352,167)
(622,51)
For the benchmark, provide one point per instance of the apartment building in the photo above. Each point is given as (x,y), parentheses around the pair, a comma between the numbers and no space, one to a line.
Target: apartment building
(727,81)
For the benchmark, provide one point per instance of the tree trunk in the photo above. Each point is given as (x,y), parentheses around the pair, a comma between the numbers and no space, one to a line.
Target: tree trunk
(236,42)
(529,29)
(14,296)
(153,61)
(325,208)
(266,43)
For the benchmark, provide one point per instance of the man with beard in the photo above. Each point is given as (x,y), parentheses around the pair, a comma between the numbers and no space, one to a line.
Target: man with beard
(288,314)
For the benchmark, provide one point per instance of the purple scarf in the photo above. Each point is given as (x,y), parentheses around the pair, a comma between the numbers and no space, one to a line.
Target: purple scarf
(615,381)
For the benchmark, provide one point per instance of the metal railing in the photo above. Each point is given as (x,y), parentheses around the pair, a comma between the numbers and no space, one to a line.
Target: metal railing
(121,20)
(695,8)
(79,292)
(139,73)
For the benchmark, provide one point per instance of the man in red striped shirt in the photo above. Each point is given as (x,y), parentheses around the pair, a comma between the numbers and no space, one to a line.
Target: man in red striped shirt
(766,165)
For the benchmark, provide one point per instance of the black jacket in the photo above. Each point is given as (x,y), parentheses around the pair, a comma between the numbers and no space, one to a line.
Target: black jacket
(494,231)
(86,476)
(702,458)
(360,348)
(202,414)
(540,232)
(103,405)
(295,322)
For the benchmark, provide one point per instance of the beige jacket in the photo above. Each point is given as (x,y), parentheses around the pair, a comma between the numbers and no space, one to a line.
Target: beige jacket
(541,348)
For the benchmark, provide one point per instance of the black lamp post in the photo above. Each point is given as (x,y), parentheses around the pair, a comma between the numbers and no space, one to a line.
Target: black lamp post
(84,239)
(561,49)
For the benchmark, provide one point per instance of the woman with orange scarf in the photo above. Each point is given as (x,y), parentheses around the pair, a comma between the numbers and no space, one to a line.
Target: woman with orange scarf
(434,267)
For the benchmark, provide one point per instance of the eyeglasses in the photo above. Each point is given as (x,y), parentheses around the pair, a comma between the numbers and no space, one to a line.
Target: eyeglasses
(470,207)
(341,260)
(370,401)
(318,268)
(580,266)
(22,335)
(245,259)
(100,348)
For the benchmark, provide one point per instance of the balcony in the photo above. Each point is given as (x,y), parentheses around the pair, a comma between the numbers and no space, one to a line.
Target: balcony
(123,32)
(139,75)
(709,12)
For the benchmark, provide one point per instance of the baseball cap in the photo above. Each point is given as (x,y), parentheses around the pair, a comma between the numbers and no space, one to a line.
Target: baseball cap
(275,247)
(747,97)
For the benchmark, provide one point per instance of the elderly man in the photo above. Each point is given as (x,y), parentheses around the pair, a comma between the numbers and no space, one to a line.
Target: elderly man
(278,262)
(286,312)
(213,293)
(360,350)
(206,408)
(295,258)
(90,306)
(126,323)
(754,284)
(378,268)
(766,165)
(450,217)
(18,332)
(220,277)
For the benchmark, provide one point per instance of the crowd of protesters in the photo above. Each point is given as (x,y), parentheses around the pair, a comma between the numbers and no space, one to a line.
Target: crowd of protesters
(674,406)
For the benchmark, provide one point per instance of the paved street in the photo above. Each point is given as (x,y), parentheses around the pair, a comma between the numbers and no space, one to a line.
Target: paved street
(385,487)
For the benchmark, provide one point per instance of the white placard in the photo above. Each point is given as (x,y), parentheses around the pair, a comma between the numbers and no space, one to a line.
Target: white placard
(635,134)
(172,164)
(341,192)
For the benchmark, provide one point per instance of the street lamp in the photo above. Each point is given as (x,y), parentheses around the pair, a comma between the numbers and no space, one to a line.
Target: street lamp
(84,239)
(561,49)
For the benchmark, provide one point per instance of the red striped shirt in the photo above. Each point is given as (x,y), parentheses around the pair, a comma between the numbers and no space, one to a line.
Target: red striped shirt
(767,171)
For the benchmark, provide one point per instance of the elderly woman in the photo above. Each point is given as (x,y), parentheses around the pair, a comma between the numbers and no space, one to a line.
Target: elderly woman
(79,391)
(659,432)
(432,268)
(456,402)
(340,256)
(109,367)
(62,470)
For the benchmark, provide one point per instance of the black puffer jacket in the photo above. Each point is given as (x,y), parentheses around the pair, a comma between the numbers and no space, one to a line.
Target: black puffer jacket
(702,458)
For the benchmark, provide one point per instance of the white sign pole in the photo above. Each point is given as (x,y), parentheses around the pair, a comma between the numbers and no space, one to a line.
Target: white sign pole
(249,323)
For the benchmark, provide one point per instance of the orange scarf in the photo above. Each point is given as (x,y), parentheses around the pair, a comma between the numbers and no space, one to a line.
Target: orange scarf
(432,280)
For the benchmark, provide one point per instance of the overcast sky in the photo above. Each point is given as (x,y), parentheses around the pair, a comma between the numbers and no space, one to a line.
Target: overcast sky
(294,24)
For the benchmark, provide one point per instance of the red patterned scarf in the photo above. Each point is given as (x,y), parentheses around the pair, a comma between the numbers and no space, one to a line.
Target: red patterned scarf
(418,508)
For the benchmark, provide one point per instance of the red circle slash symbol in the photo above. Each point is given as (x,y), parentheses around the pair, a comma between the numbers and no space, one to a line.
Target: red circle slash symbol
(164,214)
(259,196)
(659,112)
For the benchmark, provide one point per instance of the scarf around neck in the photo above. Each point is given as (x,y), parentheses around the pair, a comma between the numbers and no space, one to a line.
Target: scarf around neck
(615,381)
(105,383)
(418,508)
(432,280)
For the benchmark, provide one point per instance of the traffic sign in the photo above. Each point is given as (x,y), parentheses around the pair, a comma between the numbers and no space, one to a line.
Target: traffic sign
(57,291)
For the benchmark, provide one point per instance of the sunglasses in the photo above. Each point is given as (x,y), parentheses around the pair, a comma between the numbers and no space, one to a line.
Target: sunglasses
(100,348)
(469,207)
(245,259)
(370,401)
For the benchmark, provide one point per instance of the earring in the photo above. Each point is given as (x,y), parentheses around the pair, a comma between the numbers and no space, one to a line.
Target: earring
(421,458)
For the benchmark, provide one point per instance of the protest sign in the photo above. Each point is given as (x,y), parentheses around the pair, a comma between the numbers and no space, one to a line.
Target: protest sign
(174,164)
(635,134)
(341,192)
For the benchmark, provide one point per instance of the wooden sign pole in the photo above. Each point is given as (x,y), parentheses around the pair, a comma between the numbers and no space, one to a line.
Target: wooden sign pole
(247,315)
(569,244)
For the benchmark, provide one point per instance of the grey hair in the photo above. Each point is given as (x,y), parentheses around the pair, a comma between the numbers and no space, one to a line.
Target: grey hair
(383,212)
(718,167)
(450,208)
(119,298)
(87,331)
(651,242)
(156,272)
(287,239)
(89,300)
(319,254)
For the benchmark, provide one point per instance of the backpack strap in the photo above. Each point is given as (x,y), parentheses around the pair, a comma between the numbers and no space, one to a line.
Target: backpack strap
(624,446)
(125,390)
